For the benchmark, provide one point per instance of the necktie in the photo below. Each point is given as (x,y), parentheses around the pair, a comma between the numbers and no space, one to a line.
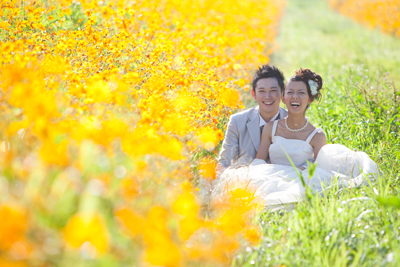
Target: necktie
(262,127)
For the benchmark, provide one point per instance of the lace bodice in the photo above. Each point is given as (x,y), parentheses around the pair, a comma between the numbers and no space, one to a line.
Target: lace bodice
(298,150)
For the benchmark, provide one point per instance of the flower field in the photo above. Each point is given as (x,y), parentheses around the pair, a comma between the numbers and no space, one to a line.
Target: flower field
(112,112)
(381,14)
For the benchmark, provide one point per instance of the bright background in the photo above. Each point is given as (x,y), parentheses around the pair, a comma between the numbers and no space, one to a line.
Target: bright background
(113,113)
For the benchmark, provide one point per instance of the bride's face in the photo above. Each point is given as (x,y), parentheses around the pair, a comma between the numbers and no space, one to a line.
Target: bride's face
(296,97)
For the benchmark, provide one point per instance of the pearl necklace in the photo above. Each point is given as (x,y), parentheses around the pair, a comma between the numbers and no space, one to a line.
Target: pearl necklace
(296,130)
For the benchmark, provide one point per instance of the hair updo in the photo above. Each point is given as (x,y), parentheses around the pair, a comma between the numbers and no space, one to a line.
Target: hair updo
(304,75)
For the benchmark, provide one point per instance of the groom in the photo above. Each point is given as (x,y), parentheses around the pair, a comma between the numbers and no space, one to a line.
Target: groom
(243,134)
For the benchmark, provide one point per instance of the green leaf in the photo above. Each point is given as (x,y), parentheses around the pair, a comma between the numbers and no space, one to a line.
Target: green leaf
(300,174)
(59,138)
(311,169)
(389,201)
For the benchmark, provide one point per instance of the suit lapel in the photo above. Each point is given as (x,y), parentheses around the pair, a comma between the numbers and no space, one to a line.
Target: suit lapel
(253,126)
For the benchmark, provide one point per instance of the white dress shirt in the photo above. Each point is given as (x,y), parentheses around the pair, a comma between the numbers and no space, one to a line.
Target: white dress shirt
(263,122)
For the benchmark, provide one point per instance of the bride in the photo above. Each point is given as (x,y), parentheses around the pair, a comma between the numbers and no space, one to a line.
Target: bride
(295,140)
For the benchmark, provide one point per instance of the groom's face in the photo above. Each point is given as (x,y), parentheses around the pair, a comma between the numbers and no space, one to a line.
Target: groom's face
(267,94)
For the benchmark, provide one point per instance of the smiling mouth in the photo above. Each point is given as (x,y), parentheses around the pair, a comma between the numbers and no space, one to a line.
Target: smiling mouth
(295,105)
(269,103)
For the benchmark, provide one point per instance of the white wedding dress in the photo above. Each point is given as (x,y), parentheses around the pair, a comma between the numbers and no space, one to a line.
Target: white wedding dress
(278,183)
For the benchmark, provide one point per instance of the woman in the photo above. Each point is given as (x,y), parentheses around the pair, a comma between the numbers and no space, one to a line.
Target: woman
(295,140)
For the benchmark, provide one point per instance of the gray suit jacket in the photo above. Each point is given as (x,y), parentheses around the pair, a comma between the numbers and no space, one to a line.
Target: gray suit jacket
(242,137)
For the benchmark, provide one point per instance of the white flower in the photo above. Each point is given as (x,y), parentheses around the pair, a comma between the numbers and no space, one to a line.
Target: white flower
(313,87)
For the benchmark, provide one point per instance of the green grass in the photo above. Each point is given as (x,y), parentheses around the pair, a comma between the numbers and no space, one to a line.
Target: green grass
(360,109)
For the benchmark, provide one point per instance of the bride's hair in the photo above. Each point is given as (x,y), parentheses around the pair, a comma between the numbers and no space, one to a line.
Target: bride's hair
(305,75)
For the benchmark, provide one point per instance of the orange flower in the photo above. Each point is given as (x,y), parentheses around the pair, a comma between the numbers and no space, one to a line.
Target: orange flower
(252,234)
(207,168)
(129,188)
(13,224)
(380,14)
(223,248)
(7,263)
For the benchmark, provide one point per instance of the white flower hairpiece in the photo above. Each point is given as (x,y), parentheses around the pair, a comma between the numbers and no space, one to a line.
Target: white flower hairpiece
(313,87)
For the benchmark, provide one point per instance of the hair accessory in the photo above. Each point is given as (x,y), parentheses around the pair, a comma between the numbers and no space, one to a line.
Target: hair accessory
(296,130)
(313,87)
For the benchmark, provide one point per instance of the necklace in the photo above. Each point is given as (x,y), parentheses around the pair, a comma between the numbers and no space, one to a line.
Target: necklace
(296,130)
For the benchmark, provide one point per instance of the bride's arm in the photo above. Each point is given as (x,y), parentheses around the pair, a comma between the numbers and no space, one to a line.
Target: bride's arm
(262,152)
(318,141)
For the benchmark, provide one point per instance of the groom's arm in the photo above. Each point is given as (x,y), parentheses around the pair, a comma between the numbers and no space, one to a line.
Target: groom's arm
(230,147)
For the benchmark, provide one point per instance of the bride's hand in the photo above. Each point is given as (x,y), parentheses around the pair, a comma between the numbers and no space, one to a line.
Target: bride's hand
(301,168)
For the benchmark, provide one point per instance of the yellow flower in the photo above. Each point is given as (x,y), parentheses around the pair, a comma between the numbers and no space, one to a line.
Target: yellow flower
(185,205)
(209,137)
(132,221)
(145,141)
(15,126)
(53,153)
(171,148)
(231,222)
(132,78)
(160,248)
(176,124)
(228,97)
(90,228)
(97,90)
(164,254)
(155,85)
(188,103)
(144,83)
(188,225)
(4,25)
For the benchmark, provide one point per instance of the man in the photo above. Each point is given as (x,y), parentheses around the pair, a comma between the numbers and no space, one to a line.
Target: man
(243,134)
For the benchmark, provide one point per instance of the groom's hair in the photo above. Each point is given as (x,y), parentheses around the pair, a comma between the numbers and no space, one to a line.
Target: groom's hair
(267,71)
